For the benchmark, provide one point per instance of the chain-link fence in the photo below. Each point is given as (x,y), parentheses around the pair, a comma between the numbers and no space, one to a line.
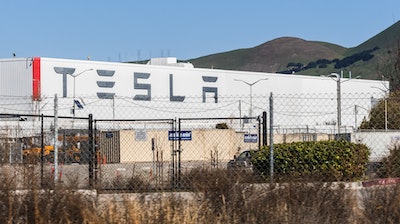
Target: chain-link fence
(31,155)
(123,144)
(133,154)
(161,154)
(325,117)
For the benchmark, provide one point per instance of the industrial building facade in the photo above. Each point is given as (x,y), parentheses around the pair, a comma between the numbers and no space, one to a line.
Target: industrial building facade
(81,84)
(165,89)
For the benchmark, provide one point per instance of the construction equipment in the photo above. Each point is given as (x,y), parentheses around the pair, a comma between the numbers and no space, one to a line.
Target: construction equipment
(33,155)
(72,148)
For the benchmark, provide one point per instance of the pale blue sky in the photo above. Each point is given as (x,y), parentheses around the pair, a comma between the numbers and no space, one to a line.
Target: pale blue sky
(126,30)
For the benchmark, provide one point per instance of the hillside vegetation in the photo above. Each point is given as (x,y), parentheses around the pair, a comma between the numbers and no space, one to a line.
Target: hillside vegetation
(298,56)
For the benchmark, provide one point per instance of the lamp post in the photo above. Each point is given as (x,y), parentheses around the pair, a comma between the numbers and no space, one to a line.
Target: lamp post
(336,77)
(386,114)
(74,76)
(386,106)
(251,93)
(356,114)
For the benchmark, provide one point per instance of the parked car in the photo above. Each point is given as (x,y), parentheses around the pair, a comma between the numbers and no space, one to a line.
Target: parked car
(242,161)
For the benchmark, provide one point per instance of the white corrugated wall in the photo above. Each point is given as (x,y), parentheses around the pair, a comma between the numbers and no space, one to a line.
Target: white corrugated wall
(16,85)
(16,77)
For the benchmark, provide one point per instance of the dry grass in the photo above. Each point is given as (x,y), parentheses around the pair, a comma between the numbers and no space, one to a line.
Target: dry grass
(212,196)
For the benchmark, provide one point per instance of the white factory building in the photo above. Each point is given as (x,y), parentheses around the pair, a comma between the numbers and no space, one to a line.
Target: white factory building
(164,89)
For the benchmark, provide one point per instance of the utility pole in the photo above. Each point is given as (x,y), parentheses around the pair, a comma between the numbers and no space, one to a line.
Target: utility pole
(74,96)
(338,79)
(386,105)
(251,93)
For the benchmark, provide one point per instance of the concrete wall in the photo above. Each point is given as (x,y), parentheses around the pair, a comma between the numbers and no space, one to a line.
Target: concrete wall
(206,144)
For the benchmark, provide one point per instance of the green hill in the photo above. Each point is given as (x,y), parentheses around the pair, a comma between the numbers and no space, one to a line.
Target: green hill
(294,55)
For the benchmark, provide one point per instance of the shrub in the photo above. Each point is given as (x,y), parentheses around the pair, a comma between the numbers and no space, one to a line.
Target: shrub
(323,160)
(390,165)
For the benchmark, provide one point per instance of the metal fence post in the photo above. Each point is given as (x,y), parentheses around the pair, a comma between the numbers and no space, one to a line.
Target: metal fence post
(41,152)
(173,145)
(259,132)
(96,153)
(179,152)
(264,128)
(271,137)
(55,138)
(91,151)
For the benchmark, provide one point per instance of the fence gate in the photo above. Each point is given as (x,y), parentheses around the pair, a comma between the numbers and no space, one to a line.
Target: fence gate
(210,143)
(134,155)
(148,155)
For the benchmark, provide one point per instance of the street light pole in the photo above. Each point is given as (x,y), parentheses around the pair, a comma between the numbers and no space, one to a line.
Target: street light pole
(337,78)
(386,106)
(251,101)
(251,93)
(386,115)
(73,99)
(74,96)
(339,103)
(356,115)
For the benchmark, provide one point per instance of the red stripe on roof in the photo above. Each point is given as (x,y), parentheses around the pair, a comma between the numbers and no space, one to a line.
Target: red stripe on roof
(36,94)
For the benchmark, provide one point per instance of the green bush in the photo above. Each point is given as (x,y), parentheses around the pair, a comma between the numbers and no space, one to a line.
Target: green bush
(389,166)
(323,160)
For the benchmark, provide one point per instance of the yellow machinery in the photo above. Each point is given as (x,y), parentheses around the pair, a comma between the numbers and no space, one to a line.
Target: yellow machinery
(34,154)
(72,149)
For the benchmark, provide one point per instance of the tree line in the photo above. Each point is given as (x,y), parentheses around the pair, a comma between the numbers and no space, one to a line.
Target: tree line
(293,67)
